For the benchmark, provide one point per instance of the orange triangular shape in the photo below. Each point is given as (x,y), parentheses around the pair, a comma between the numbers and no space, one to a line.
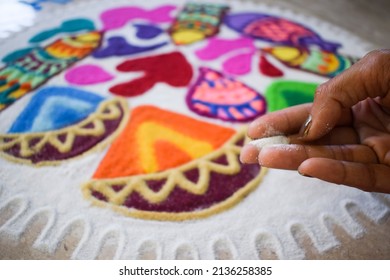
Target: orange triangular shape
(169,155)
(138,149)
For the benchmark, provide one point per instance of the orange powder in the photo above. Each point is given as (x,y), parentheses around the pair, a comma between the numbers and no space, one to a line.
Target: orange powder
(155,140)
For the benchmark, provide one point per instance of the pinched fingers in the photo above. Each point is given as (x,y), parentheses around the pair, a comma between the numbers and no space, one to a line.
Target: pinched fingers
(338,136)
(369,177)
(292,156)
(249,154)
(288,121)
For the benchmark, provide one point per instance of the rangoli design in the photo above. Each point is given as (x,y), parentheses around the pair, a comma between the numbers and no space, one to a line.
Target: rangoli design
(268,69)
(39,65)
(54,108)
(282,94)
(118,46)
(218,96)
(312,60)
(69,26)
(238,63)
(87,74)
(15,55)
(62,123)
(169,166)
(160,164)
(277,30)
(118,17)
(171,68)
(147,31)
(197,22)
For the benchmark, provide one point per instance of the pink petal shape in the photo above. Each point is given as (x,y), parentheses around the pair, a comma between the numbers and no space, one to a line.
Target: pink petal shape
(119,17)
(87,74)
(239,64)
(218,47)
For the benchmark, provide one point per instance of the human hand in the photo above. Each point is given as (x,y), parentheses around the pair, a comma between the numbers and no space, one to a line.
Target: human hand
(346,134)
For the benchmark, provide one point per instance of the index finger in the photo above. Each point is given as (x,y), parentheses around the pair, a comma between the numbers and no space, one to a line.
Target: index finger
(287,121)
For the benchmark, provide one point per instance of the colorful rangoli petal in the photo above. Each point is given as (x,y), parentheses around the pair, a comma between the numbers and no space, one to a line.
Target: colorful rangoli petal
(87,74)
(40,64)
(69,26)
(197,22)
(54,108)
(282,94)
(277,30)
(167,166)
(312,60)
(118,17)
(134,152)
(218,96)
(15,55)
(118,46)
(268,69)
(239,64)
(171,68)
(147,31)
(242,49)
(74,129)
(217,47)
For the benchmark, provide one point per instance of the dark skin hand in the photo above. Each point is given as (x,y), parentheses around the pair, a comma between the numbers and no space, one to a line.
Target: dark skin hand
(345,137)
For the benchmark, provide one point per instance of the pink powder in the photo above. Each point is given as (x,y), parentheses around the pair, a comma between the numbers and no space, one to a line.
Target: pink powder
(87,74)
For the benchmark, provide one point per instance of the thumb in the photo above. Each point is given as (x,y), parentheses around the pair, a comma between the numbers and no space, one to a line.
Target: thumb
(368,78)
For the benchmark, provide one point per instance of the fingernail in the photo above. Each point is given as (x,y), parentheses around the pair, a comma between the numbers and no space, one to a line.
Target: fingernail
(304,175)
(306,127)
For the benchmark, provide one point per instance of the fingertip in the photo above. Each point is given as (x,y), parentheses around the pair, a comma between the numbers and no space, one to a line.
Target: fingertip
(249,154)
(255,129)
(305,168)
(280,156)
(265,157)
(261,127)
(312,166)
(325,169)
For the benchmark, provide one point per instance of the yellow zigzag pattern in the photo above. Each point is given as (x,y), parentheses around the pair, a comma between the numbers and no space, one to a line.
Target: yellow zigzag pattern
(174,178)
(107,110)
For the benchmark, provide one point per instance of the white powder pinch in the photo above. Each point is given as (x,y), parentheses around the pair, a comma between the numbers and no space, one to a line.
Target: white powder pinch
(268,141)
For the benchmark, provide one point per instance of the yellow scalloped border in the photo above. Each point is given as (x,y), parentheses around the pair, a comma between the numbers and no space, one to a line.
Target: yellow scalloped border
(175,177)
(112,107)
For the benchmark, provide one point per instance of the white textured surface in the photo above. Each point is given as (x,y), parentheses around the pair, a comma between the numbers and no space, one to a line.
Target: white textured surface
(268,141)
(283,202)
(14,16)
